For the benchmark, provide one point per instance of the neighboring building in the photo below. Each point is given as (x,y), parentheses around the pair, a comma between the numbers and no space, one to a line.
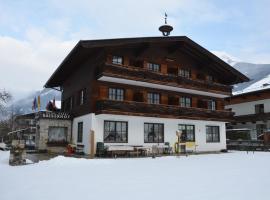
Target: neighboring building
(48,130)
(252,113)
(140,91)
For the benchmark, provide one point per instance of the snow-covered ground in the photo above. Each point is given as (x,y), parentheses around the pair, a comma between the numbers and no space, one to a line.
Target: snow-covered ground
(230,176)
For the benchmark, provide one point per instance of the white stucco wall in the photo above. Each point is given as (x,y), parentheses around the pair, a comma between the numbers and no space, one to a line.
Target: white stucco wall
(136,130)
(248,107)
(87,126)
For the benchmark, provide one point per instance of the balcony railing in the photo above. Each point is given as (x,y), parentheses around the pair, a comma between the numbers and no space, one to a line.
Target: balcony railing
(141,74)
(160,110)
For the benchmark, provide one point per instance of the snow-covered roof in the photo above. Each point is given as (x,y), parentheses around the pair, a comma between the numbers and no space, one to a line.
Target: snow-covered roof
(262,84)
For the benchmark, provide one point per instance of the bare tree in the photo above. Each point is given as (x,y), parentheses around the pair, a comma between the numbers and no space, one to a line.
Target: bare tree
(4,98)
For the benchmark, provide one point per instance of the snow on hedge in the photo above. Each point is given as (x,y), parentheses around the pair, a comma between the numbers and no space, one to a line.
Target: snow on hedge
(230,176)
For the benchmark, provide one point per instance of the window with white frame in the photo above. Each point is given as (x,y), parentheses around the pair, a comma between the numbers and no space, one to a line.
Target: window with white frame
(153,67)
(117,60)
(153,98)
(211,105)
(184,73)
(116,94)
(185,101)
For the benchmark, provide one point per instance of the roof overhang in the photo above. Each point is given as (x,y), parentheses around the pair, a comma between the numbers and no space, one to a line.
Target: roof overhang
(84,48)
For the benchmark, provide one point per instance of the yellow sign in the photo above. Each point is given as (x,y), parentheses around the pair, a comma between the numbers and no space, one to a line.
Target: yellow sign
(190,144)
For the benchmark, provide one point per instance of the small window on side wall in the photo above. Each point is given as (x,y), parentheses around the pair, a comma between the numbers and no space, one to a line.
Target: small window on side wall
(117,60)
(80,132)
(82,97)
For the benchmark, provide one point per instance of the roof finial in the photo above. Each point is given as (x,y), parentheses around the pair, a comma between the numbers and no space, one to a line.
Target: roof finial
(165,29)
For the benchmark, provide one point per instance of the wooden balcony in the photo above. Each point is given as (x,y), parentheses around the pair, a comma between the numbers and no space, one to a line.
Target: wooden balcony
(160,110)
(141,74)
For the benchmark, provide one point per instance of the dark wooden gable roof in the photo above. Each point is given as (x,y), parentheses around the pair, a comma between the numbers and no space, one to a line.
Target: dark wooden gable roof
(85,48)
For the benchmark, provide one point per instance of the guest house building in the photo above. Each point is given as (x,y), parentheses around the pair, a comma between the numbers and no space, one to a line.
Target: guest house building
(140,91)
(252,114)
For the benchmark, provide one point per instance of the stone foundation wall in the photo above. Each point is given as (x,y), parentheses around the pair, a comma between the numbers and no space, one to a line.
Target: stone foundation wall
(43,131)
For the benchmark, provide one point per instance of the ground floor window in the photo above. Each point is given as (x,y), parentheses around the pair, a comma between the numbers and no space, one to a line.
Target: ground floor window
(188,132)
(115,132)
(80,132)
(153,133)
(212,134)
(57,134)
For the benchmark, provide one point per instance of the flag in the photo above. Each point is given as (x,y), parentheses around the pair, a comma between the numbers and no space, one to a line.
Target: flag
(38,103)
(34,106)
(54,103)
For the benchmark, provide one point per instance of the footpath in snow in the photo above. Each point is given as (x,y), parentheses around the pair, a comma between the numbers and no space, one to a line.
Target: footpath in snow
(229,176)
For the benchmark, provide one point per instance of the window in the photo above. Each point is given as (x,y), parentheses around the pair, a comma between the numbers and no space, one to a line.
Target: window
(153,98)
(209,78)
(57,134)
(153,67)
(188,132)
(80,132)
(115,132)
(116,94)
(153,133)
(184,73)
(212,134)
(259,108)
(211,105)
(118,60)
(185,101)
(82,97)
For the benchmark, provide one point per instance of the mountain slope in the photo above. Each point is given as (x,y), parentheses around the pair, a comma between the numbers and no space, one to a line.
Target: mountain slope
(24,105)
(259,74)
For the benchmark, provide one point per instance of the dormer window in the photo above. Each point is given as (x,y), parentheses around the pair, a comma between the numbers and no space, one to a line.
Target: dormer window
(186,73)
(153,67)
(117,60)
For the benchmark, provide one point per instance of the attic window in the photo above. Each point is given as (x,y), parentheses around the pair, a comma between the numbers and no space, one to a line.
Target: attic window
(153,67)
(209,78)
(184,73)
(117,60)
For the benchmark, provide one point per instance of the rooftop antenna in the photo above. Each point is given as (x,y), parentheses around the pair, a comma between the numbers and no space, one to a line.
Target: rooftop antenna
(165,29)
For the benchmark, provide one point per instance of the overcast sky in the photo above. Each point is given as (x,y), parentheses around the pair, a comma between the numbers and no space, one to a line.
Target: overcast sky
(35,36)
